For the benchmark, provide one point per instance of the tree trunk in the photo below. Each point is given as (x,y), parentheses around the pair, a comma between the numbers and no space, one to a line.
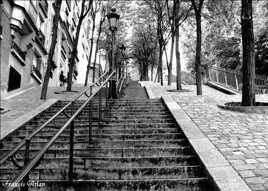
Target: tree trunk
(171,59)
(52,49)
(178,59)
(152,73)
(74,52)
(90,52)
(145,71)
(198,53)
(160,70)
(248,89)
(96,50)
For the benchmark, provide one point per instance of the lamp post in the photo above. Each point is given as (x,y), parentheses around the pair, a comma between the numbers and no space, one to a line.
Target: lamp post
(113,18)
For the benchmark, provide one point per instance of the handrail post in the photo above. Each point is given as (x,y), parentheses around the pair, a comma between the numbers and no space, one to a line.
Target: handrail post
(100,112)
(217,76)
(90,123)
(236,82)
(106,91)
(26,160)
(91,90)
(225,78)
(71,152)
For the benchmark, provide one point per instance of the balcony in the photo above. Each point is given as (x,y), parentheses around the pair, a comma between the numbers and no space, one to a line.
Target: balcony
(68,2)
(44,6)
(18,53)
(36,74)
(40,40)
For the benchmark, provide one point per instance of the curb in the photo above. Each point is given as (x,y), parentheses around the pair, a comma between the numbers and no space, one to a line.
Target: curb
(149,92)
(218,168)
(11,127)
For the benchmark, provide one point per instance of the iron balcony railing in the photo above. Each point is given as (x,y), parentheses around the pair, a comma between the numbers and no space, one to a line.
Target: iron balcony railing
(30,164)
(36,72)
(18,50)
(44,6)
(233,79)
(40,37)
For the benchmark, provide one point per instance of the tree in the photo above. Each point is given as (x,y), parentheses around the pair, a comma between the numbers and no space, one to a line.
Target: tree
(181,14)
(171,15)
(102,19)
(93,14)
(160,13)
(56,19)
(84,11)
(197,6)
(248,89)
(144,47)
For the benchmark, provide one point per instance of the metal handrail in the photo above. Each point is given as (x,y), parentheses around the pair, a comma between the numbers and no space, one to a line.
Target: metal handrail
(232,79)
(121,84)
(39,155)
(10,154)
(257,76)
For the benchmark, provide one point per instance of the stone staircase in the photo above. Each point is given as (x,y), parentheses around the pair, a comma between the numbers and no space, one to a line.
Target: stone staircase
(138,146)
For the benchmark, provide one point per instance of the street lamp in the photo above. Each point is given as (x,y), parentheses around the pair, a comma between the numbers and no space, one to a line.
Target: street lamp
(113,18)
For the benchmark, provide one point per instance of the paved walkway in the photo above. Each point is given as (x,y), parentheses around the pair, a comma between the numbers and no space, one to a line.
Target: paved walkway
(30,100)
(242,138)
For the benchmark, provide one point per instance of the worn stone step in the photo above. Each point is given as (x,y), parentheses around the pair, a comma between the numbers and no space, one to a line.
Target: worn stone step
(135,151)
(111,173)
(134,130)
(109,162)
(98,143)
(113,152)
(139,143)
(115,173)
(193,184)
(84,137)
(141,172)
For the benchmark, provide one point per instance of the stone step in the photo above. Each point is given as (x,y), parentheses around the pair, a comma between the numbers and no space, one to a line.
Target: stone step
(135,151)
(124,130)
(111,173)
(86,162)
(113,152)
(125,136)
(95,143)
(175,184)
(119,125)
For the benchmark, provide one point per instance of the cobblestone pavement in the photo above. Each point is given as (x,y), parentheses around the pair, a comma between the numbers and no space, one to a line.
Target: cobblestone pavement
(29,100)
(242,138)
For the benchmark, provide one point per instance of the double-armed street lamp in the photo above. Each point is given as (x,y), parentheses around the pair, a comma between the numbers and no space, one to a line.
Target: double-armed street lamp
(113,18)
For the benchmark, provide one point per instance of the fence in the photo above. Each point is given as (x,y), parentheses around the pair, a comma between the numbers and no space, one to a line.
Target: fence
(233,79)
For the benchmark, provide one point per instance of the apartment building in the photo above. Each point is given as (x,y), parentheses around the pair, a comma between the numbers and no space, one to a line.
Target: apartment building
(26,31)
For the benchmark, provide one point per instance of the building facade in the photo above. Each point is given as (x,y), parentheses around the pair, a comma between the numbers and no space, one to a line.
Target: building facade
(26,31)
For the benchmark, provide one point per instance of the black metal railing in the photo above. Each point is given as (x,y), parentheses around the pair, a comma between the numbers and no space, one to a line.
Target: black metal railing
(44,6)
(15,47)
(37,73)
(30,164)
(120,84)
(233,79)
(68,2)
(40,38)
